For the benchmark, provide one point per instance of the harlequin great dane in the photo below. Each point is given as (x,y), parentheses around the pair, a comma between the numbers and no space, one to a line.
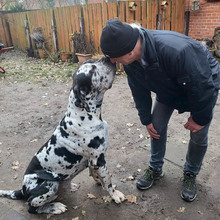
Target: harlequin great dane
(79,141)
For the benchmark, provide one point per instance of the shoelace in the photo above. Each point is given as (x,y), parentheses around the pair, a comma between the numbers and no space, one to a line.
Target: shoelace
(148,172)
(189,181)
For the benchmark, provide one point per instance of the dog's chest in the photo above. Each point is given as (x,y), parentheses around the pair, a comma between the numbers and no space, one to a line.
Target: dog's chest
(67,153)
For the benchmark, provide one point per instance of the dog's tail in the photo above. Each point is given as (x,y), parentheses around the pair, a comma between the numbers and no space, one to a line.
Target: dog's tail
(10,194)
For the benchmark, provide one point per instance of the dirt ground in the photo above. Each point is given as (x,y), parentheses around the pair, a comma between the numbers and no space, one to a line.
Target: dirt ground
(34,97)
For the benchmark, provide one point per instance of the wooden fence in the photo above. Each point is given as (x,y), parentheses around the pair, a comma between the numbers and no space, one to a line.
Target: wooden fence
(14,27)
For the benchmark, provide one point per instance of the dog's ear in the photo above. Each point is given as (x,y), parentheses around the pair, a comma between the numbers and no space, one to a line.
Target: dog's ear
(81,87)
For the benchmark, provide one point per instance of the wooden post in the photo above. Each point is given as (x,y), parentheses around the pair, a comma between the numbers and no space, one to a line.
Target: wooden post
(82,26)
(53,27)
(27,30)
(9,33)
(54,36)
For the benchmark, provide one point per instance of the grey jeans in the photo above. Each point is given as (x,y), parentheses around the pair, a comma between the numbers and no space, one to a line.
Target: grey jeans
(197,145)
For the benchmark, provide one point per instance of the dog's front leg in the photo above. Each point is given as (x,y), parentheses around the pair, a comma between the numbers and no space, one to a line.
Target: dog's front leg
(100,174)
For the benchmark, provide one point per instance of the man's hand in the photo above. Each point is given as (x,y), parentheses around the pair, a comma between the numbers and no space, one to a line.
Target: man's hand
(152,132)
(192,126)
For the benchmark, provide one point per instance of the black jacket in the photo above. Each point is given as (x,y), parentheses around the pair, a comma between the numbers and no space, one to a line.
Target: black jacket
(181,71)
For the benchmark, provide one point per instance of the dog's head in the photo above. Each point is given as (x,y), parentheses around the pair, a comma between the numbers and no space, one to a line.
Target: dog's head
(91,81)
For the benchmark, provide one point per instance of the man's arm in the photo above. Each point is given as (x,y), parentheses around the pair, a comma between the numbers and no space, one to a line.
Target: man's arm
(142,98)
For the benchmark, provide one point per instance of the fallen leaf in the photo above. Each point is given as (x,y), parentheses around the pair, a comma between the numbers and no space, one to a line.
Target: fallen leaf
(15,176)
(141,136)
(49,215)
(75,207)
(83,212)
(130,178)
(99,201)
(200,212)
(123,180)
(76,218)
(74,187)
(181,209)
(45,104)
(91,196)
(34,140)
(123,148)
(129,124)
(107,198)
(139,170)
(131,198)
(15,165)
(184,142)
(118,166)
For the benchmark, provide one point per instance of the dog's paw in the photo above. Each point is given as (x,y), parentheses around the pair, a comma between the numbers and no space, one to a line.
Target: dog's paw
(55,208)
(58,208)
(118,197)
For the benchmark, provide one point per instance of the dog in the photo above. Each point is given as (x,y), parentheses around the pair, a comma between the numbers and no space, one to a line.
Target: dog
(79,141)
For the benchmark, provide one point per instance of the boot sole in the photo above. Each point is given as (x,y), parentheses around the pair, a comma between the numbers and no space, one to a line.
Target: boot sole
(188,200)
(148,187)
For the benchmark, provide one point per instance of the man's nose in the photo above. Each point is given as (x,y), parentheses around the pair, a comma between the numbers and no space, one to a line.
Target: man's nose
(113,60)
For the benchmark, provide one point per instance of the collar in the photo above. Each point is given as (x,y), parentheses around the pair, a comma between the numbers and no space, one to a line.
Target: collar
(149,56)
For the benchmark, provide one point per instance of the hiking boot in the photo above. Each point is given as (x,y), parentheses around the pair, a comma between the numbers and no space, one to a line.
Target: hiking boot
(188,192)
(146,181)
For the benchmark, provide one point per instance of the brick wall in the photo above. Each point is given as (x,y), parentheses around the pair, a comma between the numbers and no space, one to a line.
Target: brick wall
(205,20)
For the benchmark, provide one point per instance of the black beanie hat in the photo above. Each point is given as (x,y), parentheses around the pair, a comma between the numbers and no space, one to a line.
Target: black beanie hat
(118,38)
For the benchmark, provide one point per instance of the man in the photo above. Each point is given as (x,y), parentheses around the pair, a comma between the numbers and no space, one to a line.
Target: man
(184,76)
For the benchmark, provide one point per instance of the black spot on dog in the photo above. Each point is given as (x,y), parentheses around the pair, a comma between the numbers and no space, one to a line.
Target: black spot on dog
(48,150)
(69,167)
(110,186)
(98,106)
(70,123)
(67,156)
(45,159)
(90,117)
(101,160)
(63,133)
(96,142)
(53,140)
(63,123)
(33,166)
(32,210)
(101,78)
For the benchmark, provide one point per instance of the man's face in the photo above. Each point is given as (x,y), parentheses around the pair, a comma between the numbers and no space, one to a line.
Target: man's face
(125,59)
